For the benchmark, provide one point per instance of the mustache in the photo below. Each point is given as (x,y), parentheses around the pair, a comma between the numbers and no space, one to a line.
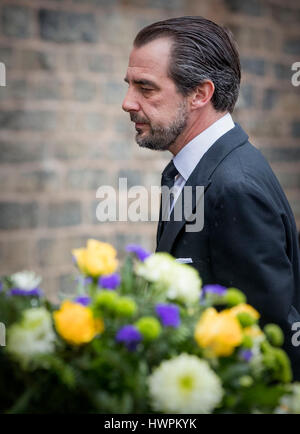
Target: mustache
(135,118)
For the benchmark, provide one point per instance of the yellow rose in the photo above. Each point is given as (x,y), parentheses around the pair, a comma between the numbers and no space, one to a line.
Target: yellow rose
(75,323)
(244,308)
(96,259)
(220,332)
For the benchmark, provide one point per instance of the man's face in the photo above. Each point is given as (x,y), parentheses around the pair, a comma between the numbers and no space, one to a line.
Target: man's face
(158,110)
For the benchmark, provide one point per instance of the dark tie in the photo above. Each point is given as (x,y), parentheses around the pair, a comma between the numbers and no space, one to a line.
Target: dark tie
(167,179)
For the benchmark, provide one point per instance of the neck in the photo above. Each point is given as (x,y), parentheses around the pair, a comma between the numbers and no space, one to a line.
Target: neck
(195,125)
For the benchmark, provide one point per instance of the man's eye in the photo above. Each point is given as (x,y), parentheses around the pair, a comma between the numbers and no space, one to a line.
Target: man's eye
(146,89)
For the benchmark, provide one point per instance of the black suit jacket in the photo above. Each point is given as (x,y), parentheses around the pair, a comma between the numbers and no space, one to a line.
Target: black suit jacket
(249,239)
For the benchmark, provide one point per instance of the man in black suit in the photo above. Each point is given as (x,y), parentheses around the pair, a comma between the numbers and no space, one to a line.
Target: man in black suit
(184,78)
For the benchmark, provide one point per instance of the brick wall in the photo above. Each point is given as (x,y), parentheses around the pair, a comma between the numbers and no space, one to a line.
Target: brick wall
(63,132)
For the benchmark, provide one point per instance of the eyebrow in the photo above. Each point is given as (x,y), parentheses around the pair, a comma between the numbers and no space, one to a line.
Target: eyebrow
(143,82)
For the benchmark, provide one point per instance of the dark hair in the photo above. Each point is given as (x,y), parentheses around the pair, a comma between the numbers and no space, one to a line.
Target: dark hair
(201,50)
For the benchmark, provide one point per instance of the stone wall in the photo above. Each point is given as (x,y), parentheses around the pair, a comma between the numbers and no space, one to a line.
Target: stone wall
(63,132)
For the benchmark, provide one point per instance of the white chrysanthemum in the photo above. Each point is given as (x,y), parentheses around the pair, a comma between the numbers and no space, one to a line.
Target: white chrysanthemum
(32,336)
(185,284)
(180,281)
(290,403)
(26,280)
(156,267)
(185,384)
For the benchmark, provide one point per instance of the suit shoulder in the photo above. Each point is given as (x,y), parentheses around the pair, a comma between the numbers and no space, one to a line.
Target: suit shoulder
(244,168)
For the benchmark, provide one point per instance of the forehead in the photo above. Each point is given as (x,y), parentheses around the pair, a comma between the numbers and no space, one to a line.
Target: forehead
(150,59)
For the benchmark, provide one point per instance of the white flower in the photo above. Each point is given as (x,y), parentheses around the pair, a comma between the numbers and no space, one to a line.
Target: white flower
(32,336)
(156,267)
(184,384)
(26,280)
(290,403)
(180,281)
(185,284)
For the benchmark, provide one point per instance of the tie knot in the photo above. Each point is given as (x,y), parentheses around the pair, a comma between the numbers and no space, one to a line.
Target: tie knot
(169,172)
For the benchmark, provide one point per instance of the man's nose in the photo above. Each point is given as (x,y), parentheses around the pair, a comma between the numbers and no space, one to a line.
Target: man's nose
(130,103)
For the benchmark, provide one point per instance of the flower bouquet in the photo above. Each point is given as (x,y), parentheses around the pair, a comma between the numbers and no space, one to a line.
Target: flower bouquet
(149,339)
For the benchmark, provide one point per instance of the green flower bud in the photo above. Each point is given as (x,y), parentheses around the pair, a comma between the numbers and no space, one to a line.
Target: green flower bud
(234,296)
(230,401)
(277,360)
(284,371)
(125,306)
(149,327)
(274,334)
(247,342)
(246,319)
(246,381)
(106,300)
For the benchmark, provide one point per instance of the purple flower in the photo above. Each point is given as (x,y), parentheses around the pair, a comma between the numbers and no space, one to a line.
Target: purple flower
(37,292)
(130,336)
(1,286)
(110,281)
(138,251)
(214,289)
(168,314)
(246,355)
(85,300)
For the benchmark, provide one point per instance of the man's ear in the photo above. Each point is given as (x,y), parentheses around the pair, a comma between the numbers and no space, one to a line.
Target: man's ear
(202,94)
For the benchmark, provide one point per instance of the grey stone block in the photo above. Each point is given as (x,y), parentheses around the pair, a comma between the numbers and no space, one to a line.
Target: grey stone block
(67,285)
(174,5)
(289,180)
(75,150)
(6,55)
(282,71)
(86,179)
(281,154)
(296,129)
(99,62)
(14,215)
(246,96)
(21,152)
(285,15)
(37,181)
(249,7)
(67,213)
(84,90)
(114,93)
(292,46)
(28,120)
(120,150)
(15,89)
(61,26)
(134,177)
(94,121)
(37,60)
(270,98)
(121,240)
(253,65)
(53,252)
(16,21)
(16,255)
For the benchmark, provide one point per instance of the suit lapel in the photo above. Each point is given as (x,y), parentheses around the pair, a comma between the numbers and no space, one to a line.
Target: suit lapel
(201,177)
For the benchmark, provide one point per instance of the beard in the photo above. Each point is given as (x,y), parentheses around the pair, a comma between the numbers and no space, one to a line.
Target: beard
(161,138)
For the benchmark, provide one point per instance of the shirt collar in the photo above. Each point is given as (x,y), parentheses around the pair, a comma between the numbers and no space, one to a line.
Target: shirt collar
(189,156)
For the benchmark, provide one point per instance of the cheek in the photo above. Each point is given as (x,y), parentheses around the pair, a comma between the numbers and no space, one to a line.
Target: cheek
(166,111)
(161,108)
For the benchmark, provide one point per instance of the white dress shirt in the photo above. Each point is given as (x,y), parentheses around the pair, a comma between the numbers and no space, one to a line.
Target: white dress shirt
(189,156)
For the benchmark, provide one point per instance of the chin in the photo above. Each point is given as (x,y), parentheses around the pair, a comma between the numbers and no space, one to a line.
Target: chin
(152,146)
